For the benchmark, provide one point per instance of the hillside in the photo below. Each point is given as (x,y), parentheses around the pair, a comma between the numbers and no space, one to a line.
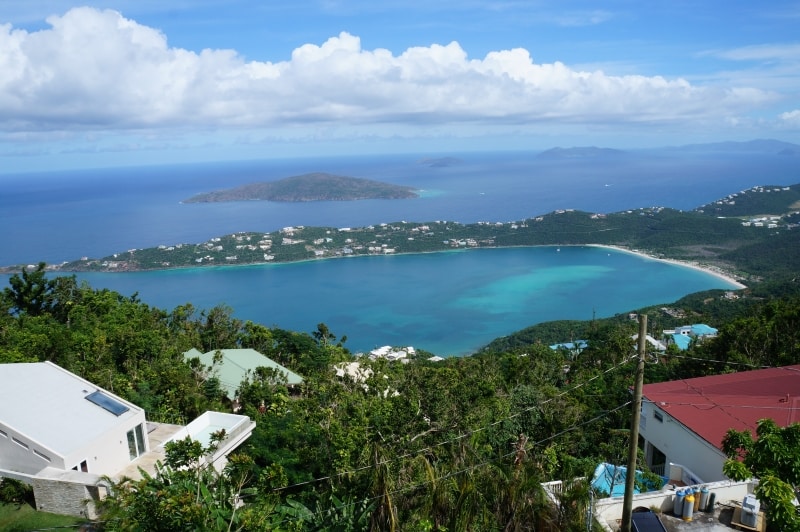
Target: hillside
(768,200)
(317,186)
(711,235)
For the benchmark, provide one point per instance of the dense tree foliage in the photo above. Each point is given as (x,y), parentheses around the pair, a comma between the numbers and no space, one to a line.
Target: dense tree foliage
(772,458)
(458,444)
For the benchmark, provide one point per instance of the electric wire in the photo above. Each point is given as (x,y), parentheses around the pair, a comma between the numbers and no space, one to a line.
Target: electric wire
(458,437)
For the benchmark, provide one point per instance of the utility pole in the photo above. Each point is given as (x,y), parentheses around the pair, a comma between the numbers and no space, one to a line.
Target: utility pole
(633,444)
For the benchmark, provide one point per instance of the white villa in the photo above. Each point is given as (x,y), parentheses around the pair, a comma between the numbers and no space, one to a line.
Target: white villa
(61,434)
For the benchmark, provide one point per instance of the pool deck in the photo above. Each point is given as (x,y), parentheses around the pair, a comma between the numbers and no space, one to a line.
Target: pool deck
(158,434)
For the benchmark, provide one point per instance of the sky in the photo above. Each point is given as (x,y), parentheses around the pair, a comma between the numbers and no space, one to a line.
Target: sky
(126,82)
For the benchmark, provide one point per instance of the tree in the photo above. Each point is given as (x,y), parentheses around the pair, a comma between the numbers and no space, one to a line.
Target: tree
(31,293)
(774,459)
(187,493)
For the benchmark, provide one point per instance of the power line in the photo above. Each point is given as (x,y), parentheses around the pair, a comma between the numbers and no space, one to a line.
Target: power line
(460,436)
(483,463)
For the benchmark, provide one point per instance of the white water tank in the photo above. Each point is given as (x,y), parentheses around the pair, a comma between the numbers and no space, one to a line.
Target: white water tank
(750,508)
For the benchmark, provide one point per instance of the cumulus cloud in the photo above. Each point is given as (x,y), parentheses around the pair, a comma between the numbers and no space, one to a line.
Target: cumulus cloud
(97,70)
(791,118)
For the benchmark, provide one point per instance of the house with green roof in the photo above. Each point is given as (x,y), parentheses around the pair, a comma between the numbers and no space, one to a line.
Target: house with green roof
(231,366)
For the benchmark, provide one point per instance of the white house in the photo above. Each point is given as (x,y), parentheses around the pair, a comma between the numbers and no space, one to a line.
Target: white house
(682,336)
(61,434)
(685,421)
(52,418)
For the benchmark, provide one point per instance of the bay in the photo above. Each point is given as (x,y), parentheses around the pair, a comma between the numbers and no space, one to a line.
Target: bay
(448,303)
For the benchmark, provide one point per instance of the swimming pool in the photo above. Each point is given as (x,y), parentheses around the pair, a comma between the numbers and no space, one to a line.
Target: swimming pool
(610,479)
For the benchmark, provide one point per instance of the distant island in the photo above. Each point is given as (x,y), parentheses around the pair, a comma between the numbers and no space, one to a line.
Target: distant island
(749,235)
(318,186)
(587,152)
(440,162)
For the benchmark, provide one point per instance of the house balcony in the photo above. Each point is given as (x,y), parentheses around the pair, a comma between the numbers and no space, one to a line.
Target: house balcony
(237,429)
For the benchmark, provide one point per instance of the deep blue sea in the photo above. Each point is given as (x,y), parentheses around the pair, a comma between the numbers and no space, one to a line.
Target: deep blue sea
(448,303)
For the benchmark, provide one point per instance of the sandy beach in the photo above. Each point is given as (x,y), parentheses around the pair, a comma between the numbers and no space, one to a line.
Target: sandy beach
(717,272)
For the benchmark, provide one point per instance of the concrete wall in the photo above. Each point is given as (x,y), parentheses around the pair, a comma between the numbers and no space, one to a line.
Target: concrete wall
(64,492)
(608,512)
(679,444)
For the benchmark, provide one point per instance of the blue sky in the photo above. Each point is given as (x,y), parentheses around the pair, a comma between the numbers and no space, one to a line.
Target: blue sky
(119,82)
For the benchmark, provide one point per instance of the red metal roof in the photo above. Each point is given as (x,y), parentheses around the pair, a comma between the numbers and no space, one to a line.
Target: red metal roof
(709,406)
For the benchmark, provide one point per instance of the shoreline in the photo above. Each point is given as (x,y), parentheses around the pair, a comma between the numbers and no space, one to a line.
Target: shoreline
(711,270)
(716,272)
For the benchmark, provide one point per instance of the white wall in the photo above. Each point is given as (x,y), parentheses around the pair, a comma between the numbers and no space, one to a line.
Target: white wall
(681,445)
(16,457)
(108,454)
(608,512)
(105,455)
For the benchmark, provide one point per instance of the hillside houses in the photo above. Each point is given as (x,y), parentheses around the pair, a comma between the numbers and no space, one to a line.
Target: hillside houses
(681,337)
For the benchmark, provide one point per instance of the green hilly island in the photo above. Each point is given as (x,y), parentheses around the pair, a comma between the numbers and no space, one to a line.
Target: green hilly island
(751,234)
(317,186)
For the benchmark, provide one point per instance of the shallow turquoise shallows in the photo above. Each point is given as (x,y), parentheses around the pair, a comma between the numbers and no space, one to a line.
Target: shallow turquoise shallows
(449,303)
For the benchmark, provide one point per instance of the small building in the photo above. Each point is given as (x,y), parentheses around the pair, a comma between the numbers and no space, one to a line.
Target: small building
(573,348)
(51,418)
(682,336)
(392,353)
(234,365)
(62,435)
(685,421)
(652,342)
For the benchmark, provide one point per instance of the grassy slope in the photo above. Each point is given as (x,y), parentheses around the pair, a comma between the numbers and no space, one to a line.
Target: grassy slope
(22,517)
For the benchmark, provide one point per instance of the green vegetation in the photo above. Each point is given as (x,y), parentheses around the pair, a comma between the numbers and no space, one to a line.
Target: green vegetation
(757,201)
(22,517)
(751,250)
(772,458)
(309,187)
(460,444)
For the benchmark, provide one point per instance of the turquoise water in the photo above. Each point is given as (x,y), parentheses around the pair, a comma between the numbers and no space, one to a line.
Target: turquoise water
(449,303)
(610,479)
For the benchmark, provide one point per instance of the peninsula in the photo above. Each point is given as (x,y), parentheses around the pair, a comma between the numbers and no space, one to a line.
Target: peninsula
(317,186)
(748,235)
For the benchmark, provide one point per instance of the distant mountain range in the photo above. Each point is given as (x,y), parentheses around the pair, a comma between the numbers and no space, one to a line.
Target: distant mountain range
(765,146)
(751,146)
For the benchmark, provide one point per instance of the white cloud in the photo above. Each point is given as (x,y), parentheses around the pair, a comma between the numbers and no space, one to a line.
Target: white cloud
(583,18)
(760,52)
(96,70)
(791,118)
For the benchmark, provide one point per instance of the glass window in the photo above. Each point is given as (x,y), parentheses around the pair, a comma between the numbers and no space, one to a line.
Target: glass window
(136,443)
(140,443)
(132,445)
(108,403)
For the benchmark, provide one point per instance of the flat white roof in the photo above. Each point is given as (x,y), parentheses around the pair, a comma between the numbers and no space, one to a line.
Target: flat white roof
(48,404)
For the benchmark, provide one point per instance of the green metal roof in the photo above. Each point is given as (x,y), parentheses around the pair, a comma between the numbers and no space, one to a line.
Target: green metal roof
(236,364)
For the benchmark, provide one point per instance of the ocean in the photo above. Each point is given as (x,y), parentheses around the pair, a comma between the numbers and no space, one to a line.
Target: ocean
(447,303)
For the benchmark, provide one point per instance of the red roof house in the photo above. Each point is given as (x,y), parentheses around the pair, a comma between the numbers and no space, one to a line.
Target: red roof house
(684,421)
